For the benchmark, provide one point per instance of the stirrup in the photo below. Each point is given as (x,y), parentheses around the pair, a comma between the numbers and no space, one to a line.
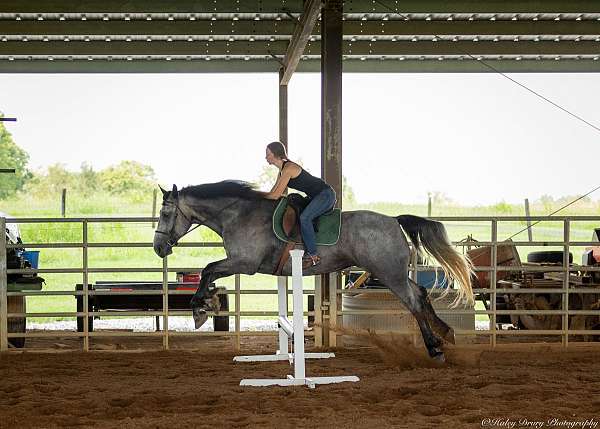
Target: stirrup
(310,261)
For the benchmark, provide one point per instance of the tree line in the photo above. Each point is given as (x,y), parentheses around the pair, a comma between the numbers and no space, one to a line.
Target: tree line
(127,178)
(124,178)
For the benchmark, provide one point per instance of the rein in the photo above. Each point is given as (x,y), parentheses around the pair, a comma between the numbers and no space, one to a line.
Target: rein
(174,243)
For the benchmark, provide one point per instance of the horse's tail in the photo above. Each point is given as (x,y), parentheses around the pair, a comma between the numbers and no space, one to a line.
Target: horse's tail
(432,235)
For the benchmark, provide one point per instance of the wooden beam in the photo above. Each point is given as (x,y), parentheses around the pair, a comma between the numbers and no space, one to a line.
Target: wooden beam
(433,65)
(472,6)
(149,6)
(83,66)
(365,49)
(296,6)
(386,48)
(470,28)
(142,48)
(204,27)
(287,27)
(300,39)
(254,65)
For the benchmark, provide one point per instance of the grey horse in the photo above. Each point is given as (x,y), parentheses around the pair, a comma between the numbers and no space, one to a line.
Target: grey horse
(243,218)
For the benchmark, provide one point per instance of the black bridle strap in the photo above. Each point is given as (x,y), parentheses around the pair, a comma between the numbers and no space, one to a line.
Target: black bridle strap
(174,243)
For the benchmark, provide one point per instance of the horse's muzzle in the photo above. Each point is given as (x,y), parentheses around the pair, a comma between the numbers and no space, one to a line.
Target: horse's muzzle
(163,249)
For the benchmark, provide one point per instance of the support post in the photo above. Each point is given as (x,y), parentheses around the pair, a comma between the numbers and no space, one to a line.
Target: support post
(331,96)
(282,281)
(528,214)
(567,275)
(165,291)
(283,111)
(331,125)
(63,203)
(3,288)
(494,280)
(318,303)
(238,317)
(85,283)
(154,194)
(429,205)
(334,308)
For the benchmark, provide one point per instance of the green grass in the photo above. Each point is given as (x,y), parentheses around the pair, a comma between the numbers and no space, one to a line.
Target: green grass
(104,205)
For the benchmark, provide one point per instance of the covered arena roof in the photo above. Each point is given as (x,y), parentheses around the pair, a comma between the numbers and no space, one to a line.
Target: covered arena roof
(253,36)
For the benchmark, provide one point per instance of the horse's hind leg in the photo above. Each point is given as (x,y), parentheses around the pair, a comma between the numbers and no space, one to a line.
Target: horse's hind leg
(437,324)
(413,300)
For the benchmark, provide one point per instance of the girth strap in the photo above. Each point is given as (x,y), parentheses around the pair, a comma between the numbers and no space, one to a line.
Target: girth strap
(285,255)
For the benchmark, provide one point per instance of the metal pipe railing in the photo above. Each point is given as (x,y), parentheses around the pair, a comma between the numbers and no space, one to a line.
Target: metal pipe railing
(3,288)
(493,290)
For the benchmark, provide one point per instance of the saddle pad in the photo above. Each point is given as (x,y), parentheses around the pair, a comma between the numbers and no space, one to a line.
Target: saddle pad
(329,225)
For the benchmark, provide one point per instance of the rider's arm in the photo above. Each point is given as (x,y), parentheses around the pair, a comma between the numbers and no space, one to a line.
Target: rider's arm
(280,185)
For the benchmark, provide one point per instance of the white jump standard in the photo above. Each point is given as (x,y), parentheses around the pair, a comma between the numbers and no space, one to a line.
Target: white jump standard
(286,329)
(295,332)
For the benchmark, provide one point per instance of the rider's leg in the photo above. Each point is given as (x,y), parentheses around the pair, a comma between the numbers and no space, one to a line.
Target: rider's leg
(320,204)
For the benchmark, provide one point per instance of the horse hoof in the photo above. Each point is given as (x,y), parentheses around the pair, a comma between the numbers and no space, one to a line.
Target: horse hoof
(449,336)
(200,317)
(213,304)
(436,343)
(439,357)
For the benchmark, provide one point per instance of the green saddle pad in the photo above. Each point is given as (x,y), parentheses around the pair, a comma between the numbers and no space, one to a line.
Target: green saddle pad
(329,225)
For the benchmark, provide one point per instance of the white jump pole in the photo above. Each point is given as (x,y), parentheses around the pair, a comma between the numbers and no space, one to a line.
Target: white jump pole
(295,331)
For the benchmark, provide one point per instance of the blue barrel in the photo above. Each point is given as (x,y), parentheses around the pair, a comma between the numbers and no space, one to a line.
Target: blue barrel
(427,278)
(33,256)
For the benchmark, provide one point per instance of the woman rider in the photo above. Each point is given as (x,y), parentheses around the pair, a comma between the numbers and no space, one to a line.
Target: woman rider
(321,195)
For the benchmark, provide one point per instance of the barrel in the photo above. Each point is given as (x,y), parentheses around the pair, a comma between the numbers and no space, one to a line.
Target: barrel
(397,324)
(16,304)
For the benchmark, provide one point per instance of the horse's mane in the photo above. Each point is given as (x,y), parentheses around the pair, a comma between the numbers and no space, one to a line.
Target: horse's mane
(226,188)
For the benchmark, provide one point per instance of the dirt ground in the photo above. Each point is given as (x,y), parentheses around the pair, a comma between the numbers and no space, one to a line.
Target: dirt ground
(399,388)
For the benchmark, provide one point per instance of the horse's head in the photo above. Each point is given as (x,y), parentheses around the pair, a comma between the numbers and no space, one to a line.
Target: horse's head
(172,223)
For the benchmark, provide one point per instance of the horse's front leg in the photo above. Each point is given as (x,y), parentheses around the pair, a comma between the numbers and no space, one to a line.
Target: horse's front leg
(205,299)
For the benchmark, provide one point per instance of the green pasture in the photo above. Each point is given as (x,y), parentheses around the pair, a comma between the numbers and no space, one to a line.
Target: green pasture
(120,232)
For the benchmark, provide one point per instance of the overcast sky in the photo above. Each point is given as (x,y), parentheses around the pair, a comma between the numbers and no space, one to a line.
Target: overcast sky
(478,138)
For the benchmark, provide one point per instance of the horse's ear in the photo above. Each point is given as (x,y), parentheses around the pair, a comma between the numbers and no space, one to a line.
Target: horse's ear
(163,191)
(174,191)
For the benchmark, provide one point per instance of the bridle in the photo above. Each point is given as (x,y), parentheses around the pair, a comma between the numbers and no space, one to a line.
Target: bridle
(169,233)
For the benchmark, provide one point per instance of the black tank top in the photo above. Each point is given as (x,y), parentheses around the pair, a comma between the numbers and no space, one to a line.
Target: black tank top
(306,182)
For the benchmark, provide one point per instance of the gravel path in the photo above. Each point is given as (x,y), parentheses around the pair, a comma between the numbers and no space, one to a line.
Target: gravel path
(184,324)
(148,324)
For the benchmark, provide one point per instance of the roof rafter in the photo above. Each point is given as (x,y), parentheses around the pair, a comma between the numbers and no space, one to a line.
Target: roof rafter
(300,38)
(472,6)
(286,28)
(262,35)
(149,6)
(296,6)
(147,28)
(257,66)
(244,48)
